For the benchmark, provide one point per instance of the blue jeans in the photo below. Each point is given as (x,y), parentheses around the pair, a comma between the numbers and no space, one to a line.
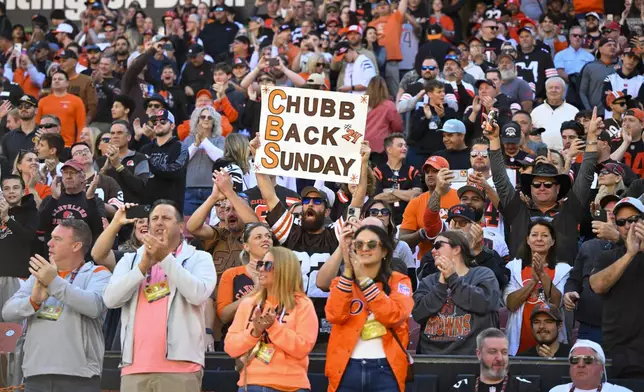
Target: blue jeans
(590,332)
(195,197)
(257,388)
(368,375)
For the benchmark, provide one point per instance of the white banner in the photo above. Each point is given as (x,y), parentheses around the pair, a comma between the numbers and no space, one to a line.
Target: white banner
(311,134)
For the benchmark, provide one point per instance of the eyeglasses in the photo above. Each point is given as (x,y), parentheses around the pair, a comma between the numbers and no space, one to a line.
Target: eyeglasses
(267,265)
(587,359)
(155,106)
(154,123)
(81,152)
(315,200)
(631,220)
(376,211)
(428,67)
(204,117)
(439,244)
(546,184)
(47,126)
(482,154)
(371,244)
(106,139)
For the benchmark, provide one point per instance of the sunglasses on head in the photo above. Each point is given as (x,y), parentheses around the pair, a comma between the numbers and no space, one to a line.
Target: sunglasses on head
(155,106)
(204,117)
(267,265)
(483,154)
(631,220)
(586,359)
(376,212)
(439,244)
(371,244)
(604,172)
(428,67)
(315,200)
(47,126)
(546,184)
(154,123)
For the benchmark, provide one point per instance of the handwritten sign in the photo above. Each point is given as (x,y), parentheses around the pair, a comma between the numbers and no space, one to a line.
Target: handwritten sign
(311,134)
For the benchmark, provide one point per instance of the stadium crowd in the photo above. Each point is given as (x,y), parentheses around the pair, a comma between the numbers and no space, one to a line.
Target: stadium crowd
(499,210)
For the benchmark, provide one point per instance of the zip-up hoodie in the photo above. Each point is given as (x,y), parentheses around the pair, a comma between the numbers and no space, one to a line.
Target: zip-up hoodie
(17,237)
(191,277)
(167,171)
(293,339)
(73,345)
(452,314)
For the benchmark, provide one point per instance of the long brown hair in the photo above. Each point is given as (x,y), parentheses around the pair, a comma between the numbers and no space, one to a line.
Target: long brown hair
(288,283)
(377,91)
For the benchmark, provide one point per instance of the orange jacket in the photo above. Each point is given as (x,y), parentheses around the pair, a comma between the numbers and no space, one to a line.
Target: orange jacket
(347,310)
(22,79)
(293,339)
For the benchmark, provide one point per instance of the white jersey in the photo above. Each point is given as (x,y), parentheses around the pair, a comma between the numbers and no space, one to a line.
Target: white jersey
(606,387)
(408,47)
(359,72)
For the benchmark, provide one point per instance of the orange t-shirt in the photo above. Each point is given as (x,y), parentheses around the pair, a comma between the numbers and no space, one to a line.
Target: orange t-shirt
(415,210)
(389,30)
(234,284)
(537,296)
(41,189)
(150,339)
(585,6)
(71,112)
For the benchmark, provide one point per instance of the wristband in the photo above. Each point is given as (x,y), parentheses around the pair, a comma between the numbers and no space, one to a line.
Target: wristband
(423,234)
(591,143)
(120,168)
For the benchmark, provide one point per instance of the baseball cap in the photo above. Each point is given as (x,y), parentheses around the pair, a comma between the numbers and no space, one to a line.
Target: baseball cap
(68,54)
(471,187)
(631,51)
(437,162)
(340,50)
(629,201)
(74,165)
(479,82)
(591,345)
(637,113)
(64,28)
(315,79)
(219,8)
(595,14)
(285,27)
(613,96)
(537,131)
(607,199)
(28,99)
(354,29)
(529,160)
(155,98)
(453,126)
(434,31)
(614,168)
(452,57)
(237,61)
(194,50)
(40,45)
(163,114)
(312,189)
(604,136)
(515,106)
(461,211)
(256,19)
(39,20)
(605,41)
(203,91)
(92,48)
(614,26)
(109,23)
(511,133)
(548,309)
(332,5)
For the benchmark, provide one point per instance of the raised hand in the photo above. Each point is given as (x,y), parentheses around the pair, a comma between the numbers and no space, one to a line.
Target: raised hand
(444,181)
(91,190)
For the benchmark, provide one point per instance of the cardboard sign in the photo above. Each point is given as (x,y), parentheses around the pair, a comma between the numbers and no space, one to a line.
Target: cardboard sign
(311,134)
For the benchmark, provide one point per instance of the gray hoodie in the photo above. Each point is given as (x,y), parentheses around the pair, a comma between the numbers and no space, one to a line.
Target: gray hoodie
(452,315)
(591,88)
(73,345)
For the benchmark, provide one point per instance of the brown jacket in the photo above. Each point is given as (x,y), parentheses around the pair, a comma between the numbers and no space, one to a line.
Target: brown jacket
(83,87)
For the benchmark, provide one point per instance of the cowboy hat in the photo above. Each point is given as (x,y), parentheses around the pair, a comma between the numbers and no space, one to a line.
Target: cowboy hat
(546,170)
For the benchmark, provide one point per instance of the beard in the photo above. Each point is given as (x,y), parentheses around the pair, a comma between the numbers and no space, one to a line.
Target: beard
(545,340)
(312,223)
(507,75)
(481,168)
(491,373)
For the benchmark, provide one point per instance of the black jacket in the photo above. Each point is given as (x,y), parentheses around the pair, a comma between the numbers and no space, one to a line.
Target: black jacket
(198,78)
(217,38)
(17,238)
(105,93)
(167,171)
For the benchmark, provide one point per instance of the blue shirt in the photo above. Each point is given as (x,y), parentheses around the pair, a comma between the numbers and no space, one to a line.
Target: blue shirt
(571,60)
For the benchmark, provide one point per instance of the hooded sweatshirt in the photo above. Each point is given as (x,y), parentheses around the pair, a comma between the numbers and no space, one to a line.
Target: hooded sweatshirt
(17,237)
(452,314)
(167,171)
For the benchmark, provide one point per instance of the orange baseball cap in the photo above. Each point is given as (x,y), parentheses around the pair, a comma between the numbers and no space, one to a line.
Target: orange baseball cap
(637,113)
(436,162)
(202,92)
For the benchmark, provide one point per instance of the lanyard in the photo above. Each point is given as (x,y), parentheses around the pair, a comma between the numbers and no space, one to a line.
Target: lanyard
(73,274)
(599,388)
(505,384)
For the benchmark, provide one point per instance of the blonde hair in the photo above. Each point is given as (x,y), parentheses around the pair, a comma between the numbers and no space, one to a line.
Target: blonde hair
(237,149)
(312,63)
(288,285)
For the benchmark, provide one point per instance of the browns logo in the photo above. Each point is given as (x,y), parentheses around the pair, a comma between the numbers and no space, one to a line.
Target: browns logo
(356,306)
(446,325)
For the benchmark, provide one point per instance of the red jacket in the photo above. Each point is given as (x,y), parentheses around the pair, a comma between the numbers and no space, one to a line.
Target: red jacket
(347,310)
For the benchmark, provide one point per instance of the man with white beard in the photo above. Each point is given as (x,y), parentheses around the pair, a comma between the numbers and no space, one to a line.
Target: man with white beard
(517,89)
(492,352)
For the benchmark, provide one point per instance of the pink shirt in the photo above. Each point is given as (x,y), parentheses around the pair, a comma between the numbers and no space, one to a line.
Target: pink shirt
(382,121)
(150,340)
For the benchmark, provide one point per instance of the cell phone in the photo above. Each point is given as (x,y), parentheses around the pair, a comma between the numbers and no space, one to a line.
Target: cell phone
(167,47)
(137,212)
(273,62)
(493,116)
(600,215)
(17,48)
(542,151)
(459,175)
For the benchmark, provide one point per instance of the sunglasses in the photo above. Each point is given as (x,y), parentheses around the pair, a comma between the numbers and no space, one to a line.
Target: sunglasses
(631,220)
(482,154)
(321,64)
(439,244)
(155,106)
(371,244)
(47,126)
(204,117)
(315,200)
(587,359)
(546,184)
(25,106)
(428,67)
(576,35)
(154,123)
(619,103)
(492,27)
(106,139)
(267,265)
(376,212)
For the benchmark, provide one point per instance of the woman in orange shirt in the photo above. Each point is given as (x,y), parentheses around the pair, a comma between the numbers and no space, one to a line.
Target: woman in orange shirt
(26,166)
(368,307)
(275,330)
(446,23)
(238,282)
